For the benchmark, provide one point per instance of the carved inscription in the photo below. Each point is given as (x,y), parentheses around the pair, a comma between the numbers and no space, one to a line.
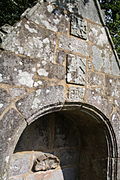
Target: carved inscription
(75,69)
(76,93)
(78,27)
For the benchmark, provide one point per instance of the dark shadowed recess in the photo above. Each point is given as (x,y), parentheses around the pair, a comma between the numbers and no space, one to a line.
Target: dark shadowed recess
(76,138)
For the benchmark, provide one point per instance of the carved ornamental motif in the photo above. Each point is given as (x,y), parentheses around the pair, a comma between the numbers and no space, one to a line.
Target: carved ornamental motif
(78,27)
(76,93)
(76,68)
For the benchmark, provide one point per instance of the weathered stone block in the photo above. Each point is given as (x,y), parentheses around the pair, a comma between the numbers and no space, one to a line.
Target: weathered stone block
(30,40)
(41,98)
(95,97)
(96,79)
(97,35)
(115,68)
(45,14)
(112,86)
(61,57)
(4,99)
(51,175)
(20,163)
(16,70)
(55,71)
(115,121)
(78,27)
(76,69)
(73,44)
(17,178)
(14,92)
(97,58)
(76,94)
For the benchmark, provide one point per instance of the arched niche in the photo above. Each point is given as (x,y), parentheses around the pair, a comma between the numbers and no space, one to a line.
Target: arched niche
(79,135)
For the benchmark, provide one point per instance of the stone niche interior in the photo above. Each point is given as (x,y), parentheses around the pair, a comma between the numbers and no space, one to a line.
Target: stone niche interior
(66,145)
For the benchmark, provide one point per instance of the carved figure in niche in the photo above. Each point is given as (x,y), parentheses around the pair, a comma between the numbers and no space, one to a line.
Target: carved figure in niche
(45,162)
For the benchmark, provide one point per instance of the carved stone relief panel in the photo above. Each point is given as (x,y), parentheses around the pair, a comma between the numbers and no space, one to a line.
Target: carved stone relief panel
(76,68)
(78,27)
(76,93)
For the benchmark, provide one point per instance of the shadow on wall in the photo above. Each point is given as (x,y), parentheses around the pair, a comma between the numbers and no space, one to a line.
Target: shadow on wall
(61,146)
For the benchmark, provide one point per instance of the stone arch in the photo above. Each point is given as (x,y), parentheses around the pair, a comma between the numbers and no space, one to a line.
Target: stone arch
(98,116)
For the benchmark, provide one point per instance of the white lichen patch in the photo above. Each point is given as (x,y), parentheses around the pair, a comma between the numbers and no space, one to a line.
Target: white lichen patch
(36,84)
(69,78)
(56,21)
(7,159)
(25,78)
(44,62)
(38,65)
(47,91)
(110,80)
(42,72)
(46,40)
(32,30)
(49,8)
(33,69)
(36,103)
(20,63)
(38,92)
(1,79)
(1,105)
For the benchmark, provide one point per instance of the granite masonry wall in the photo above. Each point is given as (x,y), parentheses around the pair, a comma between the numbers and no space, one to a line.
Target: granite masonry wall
(58,56)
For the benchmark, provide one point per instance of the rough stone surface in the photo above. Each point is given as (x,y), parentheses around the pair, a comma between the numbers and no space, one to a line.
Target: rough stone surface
(97,35)
(97,58)
(51,175)
(28,162)
(115,68)
(96,98)
(4,99)
(11,124)
(30,40)
(118,168)
(96,79)
(59,55)
(73,44)
(20,163)
(115,120)
(40,98)
(112,86)
(16,70)
(46,16)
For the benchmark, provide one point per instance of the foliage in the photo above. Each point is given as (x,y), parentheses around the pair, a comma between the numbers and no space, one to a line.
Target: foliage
(10,10)
(112,18)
